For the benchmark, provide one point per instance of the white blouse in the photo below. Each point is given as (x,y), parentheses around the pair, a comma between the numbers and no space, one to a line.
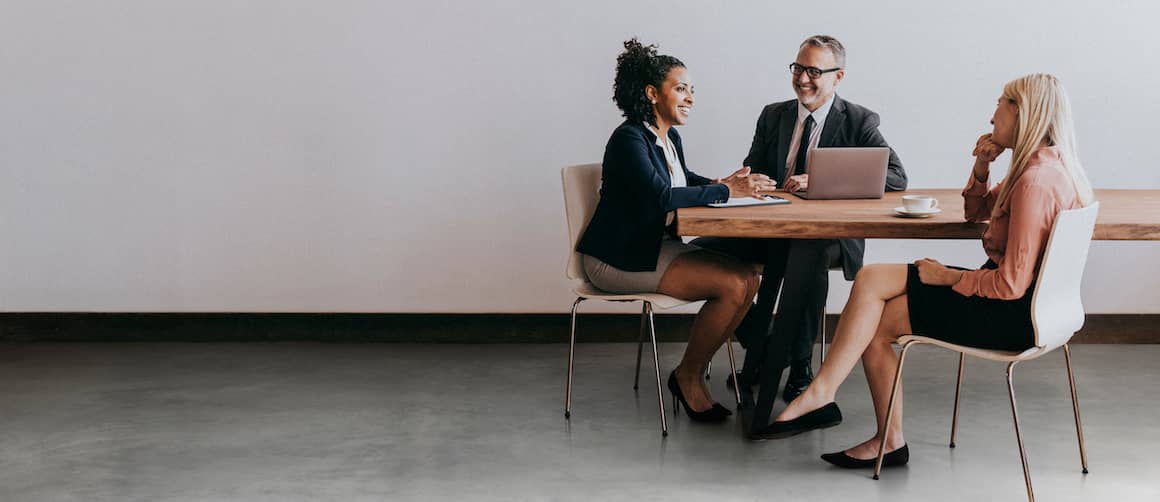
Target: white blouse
(676,173)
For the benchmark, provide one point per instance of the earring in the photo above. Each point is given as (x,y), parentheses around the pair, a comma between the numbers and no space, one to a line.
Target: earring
(653,101)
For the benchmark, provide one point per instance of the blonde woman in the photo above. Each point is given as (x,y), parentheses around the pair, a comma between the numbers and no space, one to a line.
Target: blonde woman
(987,308)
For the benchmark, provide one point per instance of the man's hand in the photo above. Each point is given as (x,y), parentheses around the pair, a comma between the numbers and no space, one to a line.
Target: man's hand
(742,183)
(797,183)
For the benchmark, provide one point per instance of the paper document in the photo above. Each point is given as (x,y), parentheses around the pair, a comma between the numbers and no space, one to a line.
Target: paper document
(749,201)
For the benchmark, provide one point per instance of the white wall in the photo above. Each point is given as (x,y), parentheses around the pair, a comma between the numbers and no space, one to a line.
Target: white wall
(294,155)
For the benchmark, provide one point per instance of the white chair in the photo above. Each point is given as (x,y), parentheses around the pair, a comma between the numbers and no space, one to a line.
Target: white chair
(581,193)
(821,336)
(1056,314)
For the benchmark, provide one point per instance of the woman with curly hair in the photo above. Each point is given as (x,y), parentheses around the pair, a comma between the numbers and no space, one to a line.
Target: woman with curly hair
(987,308)
(630,245)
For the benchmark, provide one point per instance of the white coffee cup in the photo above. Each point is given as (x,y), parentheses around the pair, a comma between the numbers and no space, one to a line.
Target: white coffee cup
(919,203)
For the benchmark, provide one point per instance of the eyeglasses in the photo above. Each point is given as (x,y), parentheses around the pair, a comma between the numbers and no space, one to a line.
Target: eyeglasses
(812,71)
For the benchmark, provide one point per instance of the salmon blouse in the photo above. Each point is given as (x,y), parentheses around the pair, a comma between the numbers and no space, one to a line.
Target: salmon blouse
(1017,234)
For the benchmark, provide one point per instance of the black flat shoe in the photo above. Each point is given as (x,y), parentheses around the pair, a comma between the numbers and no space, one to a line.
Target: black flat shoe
(895,458)
(821,418)
(717,413)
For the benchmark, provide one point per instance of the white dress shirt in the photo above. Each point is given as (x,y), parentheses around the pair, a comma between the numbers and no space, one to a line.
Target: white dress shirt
(815,133)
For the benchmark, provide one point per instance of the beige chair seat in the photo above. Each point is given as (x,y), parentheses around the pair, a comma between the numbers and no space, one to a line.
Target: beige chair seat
(994,355)
(661,302)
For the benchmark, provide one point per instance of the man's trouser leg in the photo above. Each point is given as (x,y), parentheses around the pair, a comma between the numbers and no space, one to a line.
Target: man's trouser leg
(803,297)
(813,258)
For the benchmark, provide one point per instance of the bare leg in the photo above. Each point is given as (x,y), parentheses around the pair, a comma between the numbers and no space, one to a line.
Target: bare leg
(753,283)
(858,326)
(728,287)
(880,362)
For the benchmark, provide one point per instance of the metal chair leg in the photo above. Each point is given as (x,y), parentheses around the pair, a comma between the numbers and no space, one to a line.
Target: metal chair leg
(1075,407)
(1018,432)
(571,353)
(958,390)
(639,347)
(733,370)
(890,409)
(822,336)
(657,366)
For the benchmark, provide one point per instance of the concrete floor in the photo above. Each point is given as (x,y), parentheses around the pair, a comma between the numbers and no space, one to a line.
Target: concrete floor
(300,421)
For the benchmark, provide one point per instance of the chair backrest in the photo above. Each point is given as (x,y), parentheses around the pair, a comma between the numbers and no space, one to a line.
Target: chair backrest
(1056,308)
(581,193)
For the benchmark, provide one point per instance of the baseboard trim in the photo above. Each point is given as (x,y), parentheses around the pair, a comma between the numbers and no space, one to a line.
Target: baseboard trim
(418,328)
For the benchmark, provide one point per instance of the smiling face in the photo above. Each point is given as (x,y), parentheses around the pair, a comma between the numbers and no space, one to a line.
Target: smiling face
(815,92)
(1005,120)
(674,100)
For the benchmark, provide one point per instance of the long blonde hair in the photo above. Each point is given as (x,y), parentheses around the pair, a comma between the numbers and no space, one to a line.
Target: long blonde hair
(1044,114)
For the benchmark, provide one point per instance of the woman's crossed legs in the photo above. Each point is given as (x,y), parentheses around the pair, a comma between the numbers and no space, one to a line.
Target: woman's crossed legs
(874,317)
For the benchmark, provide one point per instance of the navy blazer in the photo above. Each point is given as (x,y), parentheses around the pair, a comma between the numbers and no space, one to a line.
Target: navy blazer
(635,195)
(847,125)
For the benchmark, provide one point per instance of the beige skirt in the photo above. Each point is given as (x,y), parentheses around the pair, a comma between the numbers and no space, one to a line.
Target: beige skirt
(614,280)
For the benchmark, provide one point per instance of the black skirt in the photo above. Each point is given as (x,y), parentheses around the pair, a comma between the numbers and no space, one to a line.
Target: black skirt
(940,312)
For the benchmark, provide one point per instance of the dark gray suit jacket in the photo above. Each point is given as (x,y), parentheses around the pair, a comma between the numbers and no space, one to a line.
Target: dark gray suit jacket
(847,125)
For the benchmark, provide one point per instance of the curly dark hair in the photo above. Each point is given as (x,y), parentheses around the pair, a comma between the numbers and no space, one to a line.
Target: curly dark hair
(639,66)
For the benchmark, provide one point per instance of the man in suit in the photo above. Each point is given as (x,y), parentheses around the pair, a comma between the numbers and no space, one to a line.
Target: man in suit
(787,133)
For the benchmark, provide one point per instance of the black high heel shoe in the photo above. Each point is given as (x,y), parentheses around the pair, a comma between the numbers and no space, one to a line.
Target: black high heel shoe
(717,413)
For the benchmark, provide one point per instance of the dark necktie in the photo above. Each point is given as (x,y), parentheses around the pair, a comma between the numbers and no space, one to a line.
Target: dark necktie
(803,146)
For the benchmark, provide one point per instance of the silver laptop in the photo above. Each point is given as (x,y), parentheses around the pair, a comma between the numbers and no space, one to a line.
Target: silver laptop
(847,173)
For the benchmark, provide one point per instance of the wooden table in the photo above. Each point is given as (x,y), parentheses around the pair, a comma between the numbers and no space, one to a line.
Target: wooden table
(1124,215)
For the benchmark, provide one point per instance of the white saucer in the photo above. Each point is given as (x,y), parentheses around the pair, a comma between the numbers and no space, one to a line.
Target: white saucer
(901,211)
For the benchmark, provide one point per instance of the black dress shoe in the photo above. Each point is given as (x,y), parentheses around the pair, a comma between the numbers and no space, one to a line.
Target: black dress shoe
(821,418)
(800,377)
(717,413)
(897,457)
(731,380)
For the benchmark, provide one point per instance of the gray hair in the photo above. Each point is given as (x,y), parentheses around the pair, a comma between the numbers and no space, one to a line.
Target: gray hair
(828,42)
